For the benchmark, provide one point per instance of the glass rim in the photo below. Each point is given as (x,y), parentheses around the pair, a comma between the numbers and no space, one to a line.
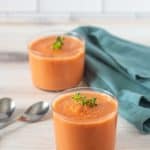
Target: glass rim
(76,89)
(72,34)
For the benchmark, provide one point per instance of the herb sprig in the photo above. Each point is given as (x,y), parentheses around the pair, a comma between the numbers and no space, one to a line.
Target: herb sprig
(58,43)
(83,100)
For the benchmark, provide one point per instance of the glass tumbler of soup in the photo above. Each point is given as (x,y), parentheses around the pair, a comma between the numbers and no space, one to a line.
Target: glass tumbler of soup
(57,61)
(85,119)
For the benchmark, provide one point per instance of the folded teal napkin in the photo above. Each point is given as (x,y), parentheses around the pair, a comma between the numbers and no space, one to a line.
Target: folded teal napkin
(121,67)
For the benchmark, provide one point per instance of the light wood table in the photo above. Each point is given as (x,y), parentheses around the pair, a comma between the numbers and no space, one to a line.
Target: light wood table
(15,82)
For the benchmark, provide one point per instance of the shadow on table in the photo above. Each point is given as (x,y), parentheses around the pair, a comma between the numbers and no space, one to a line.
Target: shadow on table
(9,57)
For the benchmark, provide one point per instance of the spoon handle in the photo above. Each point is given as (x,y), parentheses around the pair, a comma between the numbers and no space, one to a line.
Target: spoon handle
(10,122)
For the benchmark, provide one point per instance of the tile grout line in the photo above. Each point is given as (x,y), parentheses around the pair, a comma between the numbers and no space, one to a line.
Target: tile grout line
(38,6)
(103,6)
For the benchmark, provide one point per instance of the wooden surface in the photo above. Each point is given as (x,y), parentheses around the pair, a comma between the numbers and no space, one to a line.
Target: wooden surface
(15,82)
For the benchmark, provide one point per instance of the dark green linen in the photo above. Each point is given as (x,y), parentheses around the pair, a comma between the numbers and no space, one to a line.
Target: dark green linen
(121,67)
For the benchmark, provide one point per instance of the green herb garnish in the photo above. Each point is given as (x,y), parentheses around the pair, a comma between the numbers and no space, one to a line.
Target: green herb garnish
(58,43)
(83,100)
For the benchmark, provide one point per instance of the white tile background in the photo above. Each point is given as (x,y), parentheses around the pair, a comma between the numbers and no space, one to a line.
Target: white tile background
(18,6)
(62,10)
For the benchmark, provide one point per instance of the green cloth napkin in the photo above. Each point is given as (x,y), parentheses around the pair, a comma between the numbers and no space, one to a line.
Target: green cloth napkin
(121,67)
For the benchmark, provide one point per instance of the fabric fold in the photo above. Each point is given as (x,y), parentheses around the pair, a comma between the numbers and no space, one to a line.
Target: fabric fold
(121,67)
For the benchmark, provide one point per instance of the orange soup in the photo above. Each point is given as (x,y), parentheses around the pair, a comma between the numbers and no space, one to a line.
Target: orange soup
(81,127)
(56,69)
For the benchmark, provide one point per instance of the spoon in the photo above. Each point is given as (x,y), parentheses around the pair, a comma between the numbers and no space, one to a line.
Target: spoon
(7,107)
(32,114)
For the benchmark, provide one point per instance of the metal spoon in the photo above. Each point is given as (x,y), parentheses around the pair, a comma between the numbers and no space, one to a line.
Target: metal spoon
(7,107)
(32,114)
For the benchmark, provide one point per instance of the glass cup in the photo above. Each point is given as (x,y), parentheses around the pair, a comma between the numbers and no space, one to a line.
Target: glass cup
(93,134)
(57,73)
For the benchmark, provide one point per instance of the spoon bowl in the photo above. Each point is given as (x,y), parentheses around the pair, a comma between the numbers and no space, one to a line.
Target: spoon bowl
(36,111)
(32,114)
(7,107)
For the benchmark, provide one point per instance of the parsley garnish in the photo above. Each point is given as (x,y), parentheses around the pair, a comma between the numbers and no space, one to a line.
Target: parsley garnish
(83,100)
(58,43)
